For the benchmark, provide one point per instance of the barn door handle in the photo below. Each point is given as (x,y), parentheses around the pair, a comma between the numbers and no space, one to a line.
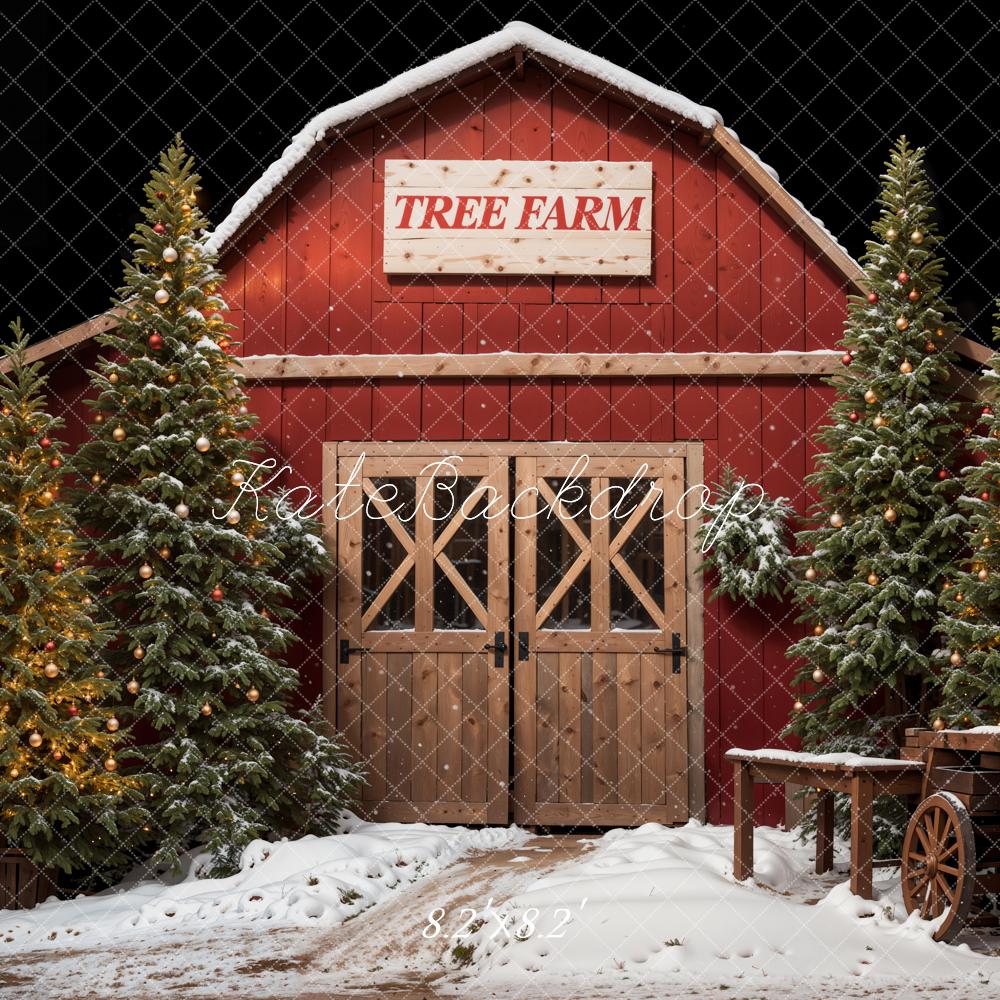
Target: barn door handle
(346,650)
(676,651)
(499,648)
(522,646)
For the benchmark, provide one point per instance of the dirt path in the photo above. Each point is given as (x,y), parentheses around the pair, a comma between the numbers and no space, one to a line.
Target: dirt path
(382,952)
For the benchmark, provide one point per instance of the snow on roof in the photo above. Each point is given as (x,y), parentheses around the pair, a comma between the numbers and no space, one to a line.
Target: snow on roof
(512,35)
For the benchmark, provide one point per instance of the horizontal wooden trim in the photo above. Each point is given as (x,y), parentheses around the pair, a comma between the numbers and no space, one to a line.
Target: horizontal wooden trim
(508,365)
(537,449)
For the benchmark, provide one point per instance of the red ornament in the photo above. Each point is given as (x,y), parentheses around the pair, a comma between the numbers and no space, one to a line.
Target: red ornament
(161,195)
(155,341)
(985,495)
(914,295)
(845,358)
(58,566)
(55,462)
(854,416)
(902,277)
(73,710)
(45,442)
(943,474)
(217,594)
(872,298)
(159,228)
(49,646)
(987,411)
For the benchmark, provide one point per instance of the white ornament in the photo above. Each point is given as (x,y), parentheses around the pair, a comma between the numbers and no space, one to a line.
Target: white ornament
(237,478)
(182,510)
(233,517)
(162,296)
(203,444)
(169,254)
(243,410)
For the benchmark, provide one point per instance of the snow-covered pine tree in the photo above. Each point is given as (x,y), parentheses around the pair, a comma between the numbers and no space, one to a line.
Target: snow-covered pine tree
(745,536)
(886,534)
(63,799)
(198,594)
(970,602)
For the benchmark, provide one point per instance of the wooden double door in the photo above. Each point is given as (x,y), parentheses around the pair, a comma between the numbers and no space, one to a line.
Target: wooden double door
(511,630)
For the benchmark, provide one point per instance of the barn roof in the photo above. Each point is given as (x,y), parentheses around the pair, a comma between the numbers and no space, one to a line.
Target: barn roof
(515,42)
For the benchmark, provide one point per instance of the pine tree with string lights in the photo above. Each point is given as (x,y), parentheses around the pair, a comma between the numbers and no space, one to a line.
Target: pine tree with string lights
(970,602)
(886,535)
(193,572)
(63,799)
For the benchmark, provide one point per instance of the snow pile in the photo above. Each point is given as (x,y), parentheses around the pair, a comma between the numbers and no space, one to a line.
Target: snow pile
(314,880)
(807,759)
(662,902)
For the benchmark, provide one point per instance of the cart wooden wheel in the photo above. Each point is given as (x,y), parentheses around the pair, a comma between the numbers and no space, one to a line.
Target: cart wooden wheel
(939,863)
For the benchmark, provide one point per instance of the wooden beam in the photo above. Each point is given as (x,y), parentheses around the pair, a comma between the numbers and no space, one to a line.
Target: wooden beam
(68,338)
(509,365)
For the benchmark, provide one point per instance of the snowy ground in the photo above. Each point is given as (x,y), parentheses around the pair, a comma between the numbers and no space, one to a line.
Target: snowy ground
(653,911)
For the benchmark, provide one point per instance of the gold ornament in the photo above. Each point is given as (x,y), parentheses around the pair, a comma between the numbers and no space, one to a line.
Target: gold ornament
(253,694)
(797,705)
(811,574)
(111,764)
(35,740)
(51,670)
(890,514)
(930,347)
(879,421)
(906,368)
(902,323)
(955,659)
(870,397)
(171,378)
(818,630)
(118,433)
(112,725)
(819,675)
(872,580)
(96,479)
(916,237)
(938,724)
(836,520)
(206,709)
(138,652)
(984,574)
(133,686)
(145,571)
(164,552)
(113,378)
(203,444)
(891,234)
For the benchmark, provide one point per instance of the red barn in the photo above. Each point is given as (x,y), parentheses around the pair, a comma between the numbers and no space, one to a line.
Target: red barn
(503,314)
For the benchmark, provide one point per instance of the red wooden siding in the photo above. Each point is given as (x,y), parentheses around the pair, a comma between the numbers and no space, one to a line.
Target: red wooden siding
(727,276)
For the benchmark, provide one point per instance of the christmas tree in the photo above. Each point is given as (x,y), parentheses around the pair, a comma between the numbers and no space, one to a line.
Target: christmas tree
(192,572)
(971,600)
(886,535)
(63,798)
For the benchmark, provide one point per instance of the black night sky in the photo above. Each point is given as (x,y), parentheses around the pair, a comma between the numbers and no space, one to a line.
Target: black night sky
(90,95)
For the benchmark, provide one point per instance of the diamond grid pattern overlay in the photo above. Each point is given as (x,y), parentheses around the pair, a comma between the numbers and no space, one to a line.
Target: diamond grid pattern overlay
(292,292)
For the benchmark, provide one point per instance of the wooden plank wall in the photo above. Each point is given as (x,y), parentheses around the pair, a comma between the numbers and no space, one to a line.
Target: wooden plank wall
(727,275)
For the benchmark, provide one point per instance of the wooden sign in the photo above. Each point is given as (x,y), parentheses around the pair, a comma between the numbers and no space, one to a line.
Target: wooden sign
(517,217)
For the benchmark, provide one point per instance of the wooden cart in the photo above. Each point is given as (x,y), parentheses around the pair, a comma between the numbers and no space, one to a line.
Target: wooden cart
(950,866)
(951,851)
